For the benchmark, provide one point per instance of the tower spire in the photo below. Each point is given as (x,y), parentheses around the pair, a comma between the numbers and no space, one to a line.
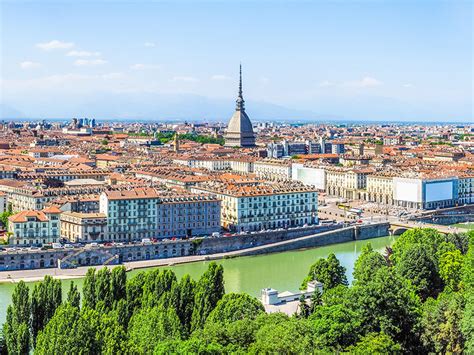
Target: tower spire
(240,99)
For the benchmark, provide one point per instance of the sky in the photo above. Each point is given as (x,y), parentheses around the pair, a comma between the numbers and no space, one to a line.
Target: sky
(354,60)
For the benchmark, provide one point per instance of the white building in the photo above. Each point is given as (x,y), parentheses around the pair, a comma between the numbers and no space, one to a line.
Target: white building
(84,227)
(29,228)
(423,193)
(257,206)
(273,169)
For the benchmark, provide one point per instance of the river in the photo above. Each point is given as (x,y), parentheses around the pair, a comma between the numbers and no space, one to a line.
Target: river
(281,271)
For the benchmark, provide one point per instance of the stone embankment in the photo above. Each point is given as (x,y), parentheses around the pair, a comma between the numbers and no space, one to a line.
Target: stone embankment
(166,253)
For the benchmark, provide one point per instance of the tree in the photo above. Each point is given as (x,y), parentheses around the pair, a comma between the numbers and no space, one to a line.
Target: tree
(327,271)
(157,283)
(368,262)
(388,303)
(70,331)
(103,289)
(315,300)
(467,325)
(88,289)
(291,336)
(118,283)
(209,290)
(419,266)
(45,298)
(428,237)
(16,328)
(235,306)
(450,269)
(186,302)
(73,295)
(375,344)
(150,326)
(335,327)
(441,322)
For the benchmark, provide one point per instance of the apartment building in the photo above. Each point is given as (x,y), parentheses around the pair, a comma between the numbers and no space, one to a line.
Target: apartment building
(380,188)
(34,228)
(158,213)
(273,169)
(259,205)
(466,189)
(83,227)
(347,183)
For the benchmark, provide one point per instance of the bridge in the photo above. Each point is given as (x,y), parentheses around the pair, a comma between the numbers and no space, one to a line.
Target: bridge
(398,227)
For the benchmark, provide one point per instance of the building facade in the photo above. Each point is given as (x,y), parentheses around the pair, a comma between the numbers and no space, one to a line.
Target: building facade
(152,213)
(34,228)
(259,206)
(84,227)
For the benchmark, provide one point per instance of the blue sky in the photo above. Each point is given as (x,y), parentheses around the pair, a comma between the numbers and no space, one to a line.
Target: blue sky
(377,60)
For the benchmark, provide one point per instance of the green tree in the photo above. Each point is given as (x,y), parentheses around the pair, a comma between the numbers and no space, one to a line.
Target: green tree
(118,283)
(209,290)
(441,322)
(467,325)
(150,326)
(375,344)
(70,331)
(235,306)
(89,289)
(157,283)
(134,289)
(186,302)
(292,336)
(316,300)
(303,308)
(388,303)
(431,239)
(450,269)
(335,327)
(368,262)
(73,295)
(419,266)
(45,298)
(16,328)
(103,289)
(327,271)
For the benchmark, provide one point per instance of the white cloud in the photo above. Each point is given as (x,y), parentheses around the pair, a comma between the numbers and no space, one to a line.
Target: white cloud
(82,54)
(55,44)
(408,85)
(365,82)
(149,44)
(29,65)
(220,77)
(89,62)
(189,79)
(140,66)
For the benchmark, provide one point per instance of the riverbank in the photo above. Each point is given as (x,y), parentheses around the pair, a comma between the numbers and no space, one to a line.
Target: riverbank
(325,238)
(250,274)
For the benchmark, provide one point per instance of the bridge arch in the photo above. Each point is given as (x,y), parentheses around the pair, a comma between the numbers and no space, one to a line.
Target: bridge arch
(398,230)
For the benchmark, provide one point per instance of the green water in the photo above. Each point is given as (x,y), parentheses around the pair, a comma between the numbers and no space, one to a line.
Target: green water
(282,271)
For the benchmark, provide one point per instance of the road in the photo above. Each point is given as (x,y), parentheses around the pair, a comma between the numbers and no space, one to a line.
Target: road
(39,274)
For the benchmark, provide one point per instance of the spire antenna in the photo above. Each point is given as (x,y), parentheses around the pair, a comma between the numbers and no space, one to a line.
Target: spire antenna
(240,99)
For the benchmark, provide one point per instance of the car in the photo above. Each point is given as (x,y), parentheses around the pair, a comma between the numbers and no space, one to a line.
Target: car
(68,246)
(215,234)
(146,241)
(57,246)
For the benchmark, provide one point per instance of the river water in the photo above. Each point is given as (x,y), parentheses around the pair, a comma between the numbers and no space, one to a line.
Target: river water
(281,271)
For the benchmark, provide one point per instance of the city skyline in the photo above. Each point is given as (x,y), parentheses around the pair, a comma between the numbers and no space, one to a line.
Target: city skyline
(303,61)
